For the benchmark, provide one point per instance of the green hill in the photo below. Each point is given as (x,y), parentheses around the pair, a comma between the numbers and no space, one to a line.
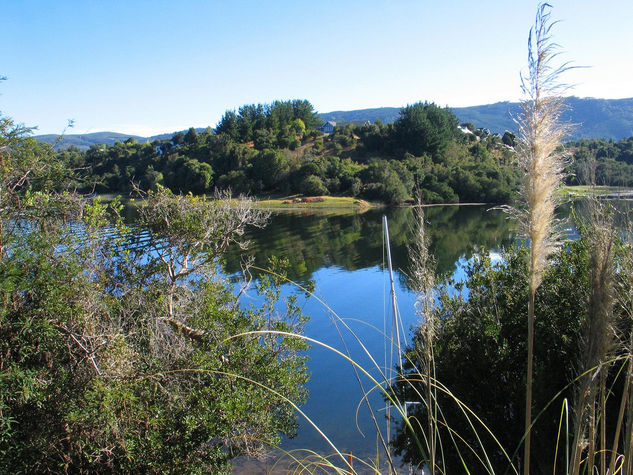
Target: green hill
(85,141)
(594,118)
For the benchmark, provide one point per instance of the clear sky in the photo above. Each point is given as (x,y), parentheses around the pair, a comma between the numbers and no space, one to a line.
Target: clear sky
(151,66)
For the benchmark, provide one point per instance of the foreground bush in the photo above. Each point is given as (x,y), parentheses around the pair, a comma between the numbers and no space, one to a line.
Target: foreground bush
(479,349)
(123,350)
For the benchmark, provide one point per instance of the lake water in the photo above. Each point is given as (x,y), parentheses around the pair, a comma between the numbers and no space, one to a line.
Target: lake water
(343,256)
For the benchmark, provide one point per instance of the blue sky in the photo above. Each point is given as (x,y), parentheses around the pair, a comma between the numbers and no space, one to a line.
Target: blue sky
(147,67)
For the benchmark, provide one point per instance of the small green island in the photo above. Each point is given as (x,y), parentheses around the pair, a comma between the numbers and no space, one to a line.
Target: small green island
(280,150)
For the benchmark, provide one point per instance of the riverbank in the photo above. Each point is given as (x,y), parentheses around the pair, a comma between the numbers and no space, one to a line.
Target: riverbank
(586,190)
(348,204)
(317,203)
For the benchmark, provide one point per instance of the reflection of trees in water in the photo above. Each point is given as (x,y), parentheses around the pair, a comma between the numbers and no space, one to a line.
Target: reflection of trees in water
(353,242)
(581,209)
(461,231)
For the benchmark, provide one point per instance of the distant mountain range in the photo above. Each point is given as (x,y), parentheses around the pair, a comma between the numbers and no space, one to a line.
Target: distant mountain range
(593,118)
(85,141)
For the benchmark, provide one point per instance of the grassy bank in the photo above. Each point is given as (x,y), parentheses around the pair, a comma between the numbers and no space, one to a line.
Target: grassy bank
(586,190)
(317,203)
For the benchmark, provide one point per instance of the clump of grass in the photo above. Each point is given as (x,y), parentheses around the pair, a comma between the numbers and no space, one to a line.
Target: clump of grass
(540,157)
(422,281)
(598,343)
(624,296)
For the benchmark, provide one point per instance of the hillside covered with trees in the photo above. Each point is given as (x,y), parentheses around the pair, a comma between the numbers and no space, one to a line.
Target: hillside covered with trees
(601,162)
(125,351)
(278,149)
(592,117)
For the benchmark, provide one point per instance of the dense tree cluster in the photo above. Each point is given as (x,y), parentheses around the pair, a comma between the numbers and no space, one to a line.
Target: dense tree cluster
(601,162)
(276,149)
(280,122)
(479,348)
(122,350)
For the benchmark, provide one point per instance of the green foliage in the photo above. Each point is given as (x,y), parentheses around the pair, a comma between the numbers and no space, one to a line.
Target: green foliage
(270,166)
(125,351)
(480,355)
(228,125)
(312,185)
(263,139)
(390,182)
(601,162)
(188,174)
(424,128)
(258,149)
(281,118)
(509,139)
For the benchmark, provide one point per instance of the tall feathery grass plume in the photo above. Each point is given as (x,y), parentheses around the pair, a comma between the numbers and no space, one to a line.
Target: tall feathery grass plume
(598,343)
(542,160)
(422,281)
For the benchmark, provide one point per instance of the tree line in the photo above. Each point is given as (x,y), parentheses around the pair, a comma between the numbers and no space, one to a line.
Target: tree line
(121,349)
(278,149)
(601,162)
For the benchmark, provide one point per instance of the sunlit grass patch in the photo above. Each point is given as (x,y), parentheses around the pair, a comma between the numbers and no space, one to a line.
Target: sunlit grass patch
(590,190)
(317,203)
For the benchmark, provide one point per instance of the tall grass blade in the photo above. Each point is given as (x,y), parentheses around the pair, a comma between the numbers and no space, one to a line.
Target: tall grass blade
(598,342)
(423,283)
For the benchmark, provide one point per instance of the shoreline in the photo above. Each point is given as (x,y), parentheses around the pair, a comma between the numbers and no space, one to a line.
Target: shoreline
(348,204)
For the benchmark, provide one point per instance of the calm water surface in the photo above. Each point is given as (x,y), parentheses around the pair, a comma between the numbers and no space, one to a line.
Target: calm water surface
(343,256)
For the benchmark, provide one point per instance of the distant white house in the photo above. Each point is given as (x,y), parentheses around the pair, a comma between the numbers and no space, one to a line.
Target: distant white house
(464,129)
(328,127)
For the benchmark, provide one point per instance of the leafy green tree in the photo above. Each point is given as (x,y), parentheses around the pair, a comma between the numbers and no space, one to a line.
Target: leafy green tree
(509,139)
(126,352)
(250,119)
(312,185)
(270,167)
(151,179)
(189,175)
(263,139)
(435,188)
(178,138)
(236,181)
(480,350)
(298,127)
(304,111)
(387,181)
(425,128)
(229,125)
(284,137)
(191,137)
(466,186)
(375,137)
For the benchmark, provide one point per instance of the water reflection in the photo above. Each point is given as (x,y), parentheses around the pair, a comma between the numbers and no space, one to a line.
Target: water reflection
(343,256)
(351,242)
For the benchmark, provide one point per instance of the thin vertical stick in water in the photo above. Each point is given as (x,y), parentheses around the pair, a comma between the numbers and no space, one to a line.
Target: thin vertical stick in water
(395,324)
